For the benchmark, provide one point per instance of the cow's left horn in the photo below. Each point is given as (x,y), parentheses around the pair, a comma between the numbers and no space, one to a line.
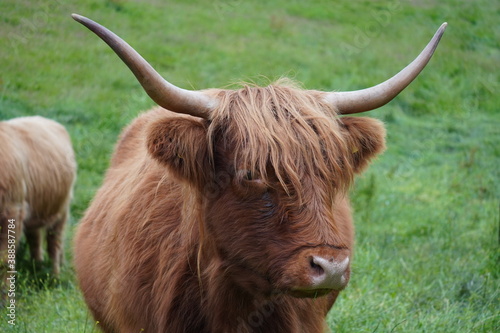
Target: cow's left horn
(165,94)
(371,98)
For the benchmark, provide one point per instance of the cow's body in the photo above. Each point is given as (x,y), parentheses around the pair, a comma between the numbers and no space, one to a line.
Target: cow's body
(38,171)
(228,213)
(137,247)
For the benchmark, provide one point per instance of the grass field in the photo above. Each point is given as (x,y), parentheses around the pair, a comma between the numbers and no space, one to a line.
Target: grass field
(427,211)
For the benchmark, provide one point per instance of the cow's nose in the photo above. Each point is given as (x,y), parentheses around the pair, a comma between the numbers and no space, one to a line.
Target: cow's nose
(328,272)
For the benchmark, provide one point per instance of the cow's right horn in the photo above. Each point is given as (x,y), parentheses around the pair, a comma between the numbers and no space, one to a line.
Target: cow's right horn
(348,102)
(161,91)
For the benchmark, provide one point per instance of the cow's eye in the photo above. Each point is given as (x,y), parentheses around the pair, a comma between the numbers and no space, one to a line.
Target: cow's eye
(248,175)
(249,178)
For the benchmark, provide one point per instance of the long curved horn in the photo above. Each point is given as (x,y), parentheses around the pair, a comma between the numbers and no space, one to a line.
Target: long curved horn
(161,91)
(348,102)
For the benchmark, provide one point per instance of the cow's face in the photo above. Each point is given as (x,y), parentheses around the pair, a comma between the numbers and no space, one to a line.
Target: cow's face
(272,168)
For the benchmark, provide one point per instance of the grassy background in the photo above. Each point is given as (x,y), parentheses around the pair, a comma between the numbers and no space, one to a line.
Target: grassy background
(427,212)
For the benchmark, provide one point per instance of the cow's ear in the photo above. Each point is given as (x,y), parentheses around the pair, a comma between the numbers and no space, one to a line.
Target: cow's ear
(181,144)
(365,138)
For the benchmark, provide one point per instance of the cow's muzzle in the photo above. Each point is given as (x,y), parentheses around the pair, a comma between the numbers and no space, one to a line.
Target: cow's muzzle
(320,271)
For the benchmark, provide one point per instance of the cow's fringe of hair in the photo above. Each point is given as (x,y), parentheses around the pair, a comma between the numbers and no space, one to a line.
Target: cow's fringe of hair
(285,129)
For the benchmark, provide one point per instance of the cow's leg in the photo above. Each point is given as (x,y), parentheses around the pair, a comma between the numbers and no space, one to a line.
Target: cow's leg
(11,228)
(55,235)
(34,238)
(10,215)
(3,236)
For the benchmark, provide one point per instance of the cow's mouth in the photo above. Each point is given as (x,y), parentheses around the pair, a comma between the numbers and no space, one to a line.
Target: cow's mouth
(309,293)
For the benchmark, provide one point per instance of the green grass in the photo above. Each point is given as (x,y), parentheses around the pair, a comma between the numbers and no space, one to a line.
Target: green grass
(427,211)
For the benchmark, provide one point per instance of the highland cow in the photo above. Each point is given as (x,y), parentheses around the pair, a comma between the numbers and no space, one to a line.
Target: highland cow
(227,210)
(36,181)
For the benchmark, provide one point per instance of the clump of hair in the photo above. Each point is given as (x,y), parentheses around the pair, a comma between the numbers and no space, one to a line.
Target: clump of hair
(283,128)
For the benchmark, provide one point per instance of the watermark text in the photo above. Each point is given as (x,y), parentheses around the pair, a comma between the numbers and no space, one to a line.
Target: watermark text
(11,272)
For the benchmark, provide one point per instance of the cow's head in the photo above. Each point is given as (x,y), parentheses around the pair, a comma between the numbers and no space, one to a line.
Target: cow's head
(271,166)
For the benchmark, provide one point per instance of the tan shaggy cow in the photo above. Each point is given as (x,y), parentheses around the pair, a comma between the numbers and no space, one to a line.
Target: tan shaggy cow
(227,210)
(38,170)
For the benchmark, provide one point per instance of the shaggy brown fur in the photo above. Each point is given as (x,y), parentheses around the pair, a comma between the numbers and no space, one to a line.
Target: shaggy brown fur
(205,225)
(38,171)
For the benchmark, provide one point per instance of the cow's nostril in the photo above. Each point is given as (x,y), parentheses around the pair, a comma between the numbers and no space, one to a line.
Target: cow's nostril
(317,269)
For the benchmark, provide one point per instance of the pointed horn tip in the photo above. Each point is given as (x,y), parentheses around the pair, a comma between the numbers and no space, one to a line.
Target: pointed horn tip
(443,26)
(82,19)
(437,36)
(77,17)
